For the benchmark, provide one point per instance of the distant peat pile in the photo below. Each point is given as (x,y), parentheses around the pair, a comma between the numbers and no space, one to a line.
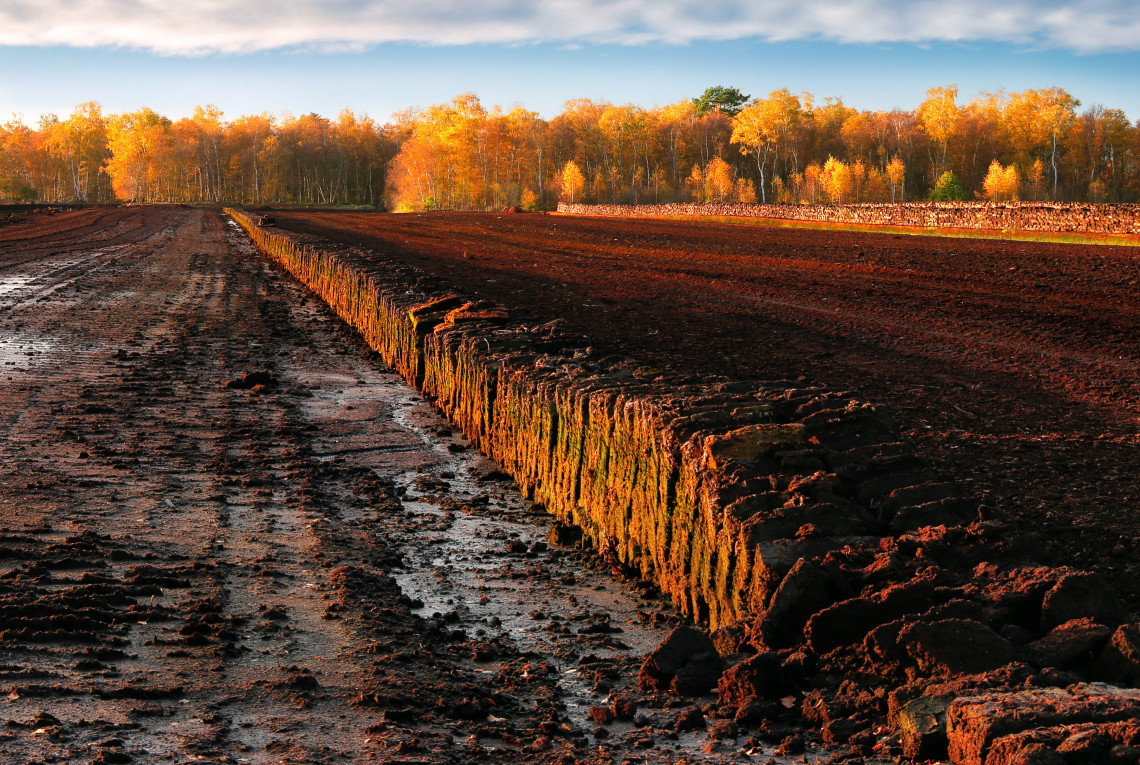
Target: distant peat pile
(1060,217)
(845,581)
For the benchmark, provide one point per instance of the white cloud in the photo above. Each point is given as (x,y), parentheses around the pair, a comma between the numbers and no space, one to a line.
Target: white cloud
(190,27)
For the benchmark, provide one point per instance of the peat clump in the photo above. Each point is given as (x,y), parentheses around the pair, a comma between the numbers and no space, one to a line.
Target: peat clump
(263,379)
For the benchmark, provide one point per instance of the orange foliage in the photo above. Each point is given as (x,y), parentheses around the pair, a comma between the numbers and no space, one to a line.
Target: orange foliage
(1002,184)
(785,148)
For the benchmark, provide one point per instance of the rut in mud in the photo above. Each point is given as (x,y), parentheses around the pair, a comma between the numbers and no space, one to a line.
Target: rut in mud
(315,569)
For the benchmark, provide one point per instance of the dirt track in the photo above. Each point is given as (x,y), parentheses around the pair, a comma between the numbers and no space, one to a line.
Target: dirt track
(1015,367)
(314,572)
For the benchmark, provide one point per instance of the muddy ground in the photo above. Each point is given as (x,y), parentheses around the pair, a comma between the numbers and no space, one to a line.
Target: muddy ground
(312,570)
(1013,366)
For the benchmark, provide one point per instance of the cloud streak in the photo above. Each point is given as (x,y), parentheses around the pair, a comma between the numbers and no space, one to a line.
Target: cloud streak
(194,27)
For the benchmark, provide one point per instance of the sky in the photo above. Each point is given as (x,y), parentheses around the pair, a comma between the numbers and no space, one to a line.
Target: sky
(382,56)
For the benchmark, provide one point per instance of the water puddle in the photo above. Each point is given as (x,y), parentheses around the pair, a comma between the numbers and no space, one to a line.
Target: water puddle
(472,552)
(19,352)
(14,283)
(475,550)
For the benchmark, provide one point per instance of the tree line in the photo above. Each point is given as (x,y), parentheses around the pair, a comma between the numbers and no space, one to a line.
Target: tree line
(724,145)
(143,156)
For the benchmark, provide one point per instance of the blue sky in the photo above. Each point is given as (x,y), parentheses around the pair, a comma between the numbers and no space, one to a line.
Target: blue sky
(382,56)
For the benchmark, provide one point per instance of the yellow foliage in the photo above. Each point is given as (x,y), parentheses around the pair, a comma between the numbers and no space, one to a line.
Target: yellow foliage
(876,188)
(1037,178)
(138,142)
(837,180)
(810,187)
(745,192)
(696,184)
(573,182)
(1002,184)
(896,175)
(462,155)
(719,184)
(938,114)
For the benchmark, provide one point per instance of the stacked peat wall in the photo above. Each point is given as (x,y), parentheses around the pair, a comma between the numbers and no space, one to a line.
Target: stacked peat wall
(987,216)
(712,490)
(791,520)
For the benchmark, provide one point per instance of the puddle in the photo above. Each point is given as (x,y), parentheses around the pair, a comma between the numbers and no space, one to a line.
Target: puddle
(470,553)
(19,352)
(14,283)
(457,535)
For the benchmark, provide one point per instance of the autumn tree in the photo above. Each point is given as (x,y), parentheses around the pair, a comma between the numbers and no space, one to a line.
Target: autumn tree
(250,146)
(696,184)
(15,183)
(764,129)
(837,180)
(861,137)
(527,154)
(1037,179)
(445,162)
(938,116)
(808,187)
(624,133)
(675,128)
(1036,123)
(361,159)
(718,181)
(896,175)
(572,182)
(820,128)
(79,144)
(138,142)
(1002,184)
(17,150)
(745,192)
(1057,112)
(1098,151)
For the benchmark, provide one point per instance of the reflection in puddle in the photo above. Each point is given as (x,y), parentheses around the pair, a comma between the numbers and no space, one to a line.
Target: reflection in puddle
(465,569)
(23,351)
(13,283)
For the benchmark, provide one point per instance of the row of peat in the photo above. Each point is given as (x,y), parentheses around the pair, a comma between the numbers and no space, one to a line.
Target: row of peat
(1062,217)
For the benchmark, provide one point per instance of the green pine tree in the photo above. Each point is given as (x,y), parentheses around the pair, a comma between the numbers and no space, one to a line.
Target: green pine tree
(948,189)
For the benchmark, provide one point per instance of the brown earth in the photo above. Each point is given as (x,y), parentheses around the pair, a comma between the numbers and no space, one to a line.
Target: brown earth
(229,534)
(1013,366)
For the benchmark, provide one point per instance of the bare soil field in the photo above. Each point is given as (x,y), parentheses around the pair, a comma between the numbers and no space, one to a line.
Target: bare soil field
(1013,366)
(229,534)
